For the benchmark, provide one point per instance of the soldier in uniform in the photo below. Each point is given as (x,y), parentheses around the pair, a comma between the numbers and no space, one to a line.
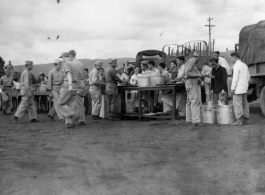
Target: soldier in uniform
(192,76)
(27,103)
(81,93)
(6,84)
(112,89)
(68,91)
(95,90)
(55,80)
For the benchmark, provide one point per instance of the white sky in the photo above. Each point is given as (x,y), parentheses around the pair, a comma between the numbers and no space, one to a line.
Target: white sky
(116,28)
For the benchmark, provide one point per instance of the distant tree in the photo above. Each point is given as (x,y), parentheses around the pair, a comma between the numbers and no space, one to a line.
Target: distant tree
(2,65)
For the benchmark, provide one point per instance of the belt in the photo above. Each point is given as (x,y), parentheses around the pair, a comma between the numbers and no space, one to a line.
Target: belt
(68,81)
(8,86)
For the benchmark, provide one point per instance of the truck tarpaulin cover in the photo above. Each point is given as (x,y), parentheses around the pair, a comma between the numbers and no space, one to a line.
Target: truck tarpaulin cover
(140,55)
(252,43)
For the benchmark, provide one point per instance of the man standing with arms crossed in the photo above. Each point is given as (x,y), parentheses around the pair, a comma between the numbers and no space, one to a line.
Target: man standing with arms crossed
(95,90)
(192,87)
(55,80)
(112,89)
(81,93)
(239,90)
(68,91)
(27,103)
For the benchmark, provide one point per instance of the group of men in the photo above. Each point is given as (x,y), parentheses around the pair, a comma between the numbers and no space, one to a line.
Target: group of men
(220,81)
(68,83)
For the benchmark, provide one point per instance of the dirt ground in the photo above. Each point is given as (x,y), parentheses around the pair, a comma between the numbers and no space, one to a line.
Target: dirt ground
(131,157)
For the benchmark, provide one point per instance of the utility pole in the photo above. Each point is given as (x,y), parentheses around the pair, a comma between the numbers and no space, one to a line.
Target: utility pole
(210,29)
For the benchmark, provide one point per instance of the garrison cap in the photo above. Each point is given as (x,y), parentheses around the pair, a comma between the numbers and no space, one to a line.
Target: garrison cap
(98,62)
(64,54)
(29,62)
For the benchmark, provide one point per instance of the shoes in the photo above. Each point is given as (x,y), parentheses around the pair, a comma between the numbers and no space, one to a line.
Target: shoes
(70,126)
(238,122)
(50,117)
(34,120)
(114,119)
(15,119)
(246,122)
(81,124)
(195,124)
(94,117)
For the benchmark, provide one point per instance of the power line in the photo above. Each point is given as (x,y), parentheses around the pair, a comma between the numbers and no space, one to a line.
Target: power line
(210,29)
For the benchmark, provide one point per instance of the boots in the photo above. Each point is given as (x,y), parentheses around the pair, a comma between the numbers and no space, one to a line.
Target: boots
(238,122)
(246,121)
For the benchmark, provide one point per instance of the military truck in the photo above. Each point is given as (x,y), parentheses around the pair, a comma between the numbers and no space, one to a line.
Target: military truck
(251,48)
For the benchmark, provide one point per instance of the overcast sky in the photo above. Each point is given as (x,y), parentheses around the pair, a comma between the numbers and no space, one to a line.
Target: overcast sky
(116,28)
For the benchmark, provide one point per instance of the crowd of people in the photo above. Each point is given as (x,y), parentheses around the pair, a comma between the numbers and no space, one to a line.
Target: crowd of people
(72,88)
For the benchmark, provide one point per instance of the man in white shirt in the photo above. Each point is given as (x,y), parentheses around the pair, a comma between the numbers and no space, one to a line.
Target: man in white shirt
(239,90)
(121,75)
(206,73)
(153,69)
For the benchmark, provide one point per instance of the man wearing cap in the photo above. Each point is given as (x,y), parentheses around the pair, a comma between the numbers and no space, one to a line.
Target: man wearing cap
(6,84)
(192,76)
(95,90)
(55,80)
(218,82)
(27,103)
(112,89)
(68,92)
(81,93)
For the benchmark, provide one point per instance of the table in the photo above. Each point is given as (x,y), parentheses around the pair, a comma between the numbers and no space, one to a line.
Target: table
(173,87)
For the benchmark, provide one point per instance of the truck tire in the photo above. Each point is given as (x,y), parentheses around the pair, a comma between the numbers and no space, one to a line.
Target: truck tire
(262,100)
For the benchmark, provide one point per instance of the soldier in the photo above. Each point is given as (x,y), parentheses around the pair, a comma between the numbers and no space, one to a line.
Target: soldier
(6,84)
(95,90)
(68,91)
(27,103)
(55,80)
(192,87)
(81,93)
(112,89)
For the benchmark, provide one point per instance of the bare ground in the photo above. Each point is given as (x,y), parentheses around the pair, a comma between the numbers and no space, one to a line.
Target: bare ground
(131,157)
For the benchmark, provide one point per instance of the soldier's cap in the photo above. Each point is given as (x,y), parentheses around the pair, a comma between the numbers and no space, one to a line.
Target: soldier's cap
(213,59)
(144,62)
(113,60)
(29,62)
(195,54)
(98,62)
(57,61)
(118,68)
(64,54)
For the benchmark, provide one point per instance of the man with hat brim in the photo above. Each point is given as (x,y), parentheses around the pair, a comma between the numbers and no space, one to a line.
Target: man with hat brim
(27,103)
(192,76)
(55,80)
(112,89)
(95,90)
(68,92)
(6,84)
(219,82)
(82,91)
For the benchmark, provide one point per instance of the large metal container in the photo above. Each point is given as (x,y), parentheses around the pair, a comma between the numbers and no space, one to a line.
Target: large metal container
(208,114)
(157,80)
(143,81)
(225,114)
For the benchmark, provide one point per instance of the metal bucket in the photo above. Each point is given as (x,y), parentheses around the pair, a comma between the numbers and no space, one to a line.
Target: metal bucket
(157,80)
(208,114)
(225,114)
(143,81)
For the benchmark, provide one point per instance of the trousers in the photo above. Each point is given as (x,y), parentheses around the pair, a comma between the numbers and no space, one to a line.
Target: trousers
(241,107)
(193,101)
(207,87)
(66,104)
(220,96)
(79,108)
(7,100)
(95,93)
(27,103)
(55,99)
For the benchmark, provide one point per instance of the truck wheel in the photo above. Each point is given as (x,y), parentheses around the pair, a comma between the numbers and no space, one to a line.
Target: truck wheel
(262,100)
